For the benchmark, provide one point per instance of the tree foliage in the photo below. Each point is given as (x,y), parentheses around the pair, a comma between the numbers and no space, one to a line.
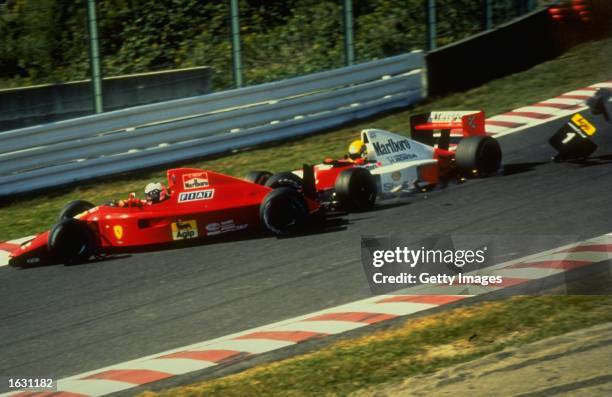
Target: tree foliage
(45,41)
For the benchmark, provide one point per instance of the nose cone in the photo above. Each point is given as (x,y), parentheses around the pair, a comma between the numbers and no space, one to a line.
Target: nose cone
(30,253)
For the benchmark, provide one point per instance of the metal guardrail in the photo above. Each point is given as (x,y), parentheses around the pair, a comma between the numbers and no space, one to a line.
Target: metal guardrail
(139,137)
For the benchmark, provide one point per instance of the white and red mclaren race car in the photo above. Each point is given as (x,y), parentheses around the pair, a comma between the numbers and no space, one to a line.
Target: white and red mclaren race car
(443,144)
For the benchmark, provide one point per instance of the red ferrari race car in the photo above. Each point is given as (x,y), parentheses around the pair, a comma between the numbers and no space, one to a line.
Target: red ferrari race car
(382,164)
(196,204)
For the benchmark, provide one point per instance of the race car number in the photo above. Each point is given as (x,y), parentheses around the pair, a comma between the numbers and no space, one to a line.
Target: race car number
(583,124)
(572,139)
(184,230)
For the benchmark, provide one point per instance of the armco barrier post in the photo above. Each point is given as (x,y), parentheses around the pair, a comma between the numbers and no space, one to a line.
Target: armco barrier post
(94,56)
(236,51)
(349,50)
(430,13)
(487,14)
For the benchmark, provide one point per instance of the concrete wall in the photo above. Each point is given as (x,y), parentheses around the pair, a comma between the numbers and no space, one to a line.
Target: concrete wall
(22,107)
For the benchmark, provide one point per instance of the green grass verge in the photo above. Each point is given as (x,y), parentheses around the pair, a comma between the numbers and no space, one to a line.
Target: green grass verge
(420,346)
(583,65)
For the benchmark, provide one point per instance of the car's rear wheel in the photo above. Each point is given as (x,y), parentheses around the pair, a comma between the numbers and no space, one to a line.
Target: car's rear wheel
(258,177)
(356,189)
(478,154)
(284,211)
(74,208)
(71,241)
(285,179)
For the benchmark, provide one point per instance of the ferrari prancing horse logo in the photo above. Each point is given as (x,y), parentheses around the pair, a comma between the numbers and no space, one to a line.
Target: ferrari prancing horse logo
(118,229)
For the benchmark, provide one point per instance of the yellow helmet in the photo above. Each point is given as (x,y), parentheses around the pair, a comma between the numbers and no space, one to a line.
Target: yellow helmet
(356,149)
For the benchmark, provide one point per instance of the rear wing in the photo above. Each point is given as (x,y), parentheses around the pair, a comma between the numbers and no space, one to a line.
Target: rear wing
(449,123)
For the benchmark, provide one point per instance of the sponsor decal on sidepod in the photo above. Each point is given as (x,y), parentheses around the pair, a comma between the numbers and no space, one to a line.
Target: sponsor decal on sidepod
(391,146)
(184,230)
(195,180)
(223,227)
(206,194)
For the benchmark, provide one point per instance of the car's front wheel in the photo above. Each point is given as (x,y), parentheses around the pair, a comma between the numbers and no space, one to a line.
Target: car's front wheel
(284,211)
(356,189)
(71,241)
(74,208)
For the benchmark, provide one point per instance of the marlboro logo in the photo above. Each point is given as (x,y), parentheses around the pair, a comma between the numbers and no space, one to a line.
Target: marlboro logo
(195,181)
(392,146)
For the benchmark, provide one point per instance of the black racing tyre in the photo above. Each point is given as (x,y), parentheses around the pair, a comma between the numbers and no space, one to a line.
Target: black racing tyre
(284,211)
(356,189)
(74,208)
(478,153)
(71,241)
(258,177)
(285,179)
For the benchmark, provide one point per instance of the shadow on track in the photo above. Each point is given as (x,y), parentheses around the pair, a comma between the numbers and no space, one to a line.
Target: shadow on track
(331,224)
(593,161)
(520,168)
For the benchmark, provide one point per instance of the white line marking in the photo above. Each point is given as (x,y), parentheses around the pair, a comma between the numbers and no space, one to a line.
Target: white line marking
(530,273)
(175,366)
(496,129)
(588,256)
(580,92)
(564,101)
(393,308)
(323,327)
(254,346)
(463,290)
(513,119)
(545,110)
(93,387)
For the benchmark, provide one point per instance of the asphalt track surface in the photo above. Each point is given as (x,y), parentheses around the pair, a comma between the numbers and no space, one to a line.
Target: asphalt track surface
(58,321)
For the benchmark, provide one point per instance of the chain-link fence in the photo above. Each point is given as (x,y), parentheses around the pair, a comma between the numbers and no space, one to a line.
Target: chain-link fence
(48,41)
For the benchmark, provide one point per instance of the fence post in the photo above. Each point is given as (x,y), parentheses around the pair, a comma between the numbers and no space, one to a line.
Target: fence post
(487,20)
(521,7)
(236,51)
(430,15)
(94,57)
(531,5)
(349,43)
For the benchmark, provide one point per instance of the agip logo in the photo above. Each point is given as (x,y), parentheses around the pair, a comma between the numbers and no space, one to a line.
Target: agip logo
(184,230)
(195,180)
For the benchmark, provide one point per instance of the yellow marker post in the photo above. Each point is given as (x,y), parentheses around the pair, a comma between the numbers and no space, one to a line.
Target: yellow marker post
(584,125)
